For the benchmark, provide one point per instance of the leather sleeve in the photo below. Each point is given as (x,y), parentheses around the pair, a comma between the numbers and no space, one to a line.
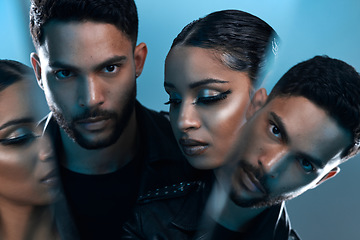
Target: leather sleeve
(132,229)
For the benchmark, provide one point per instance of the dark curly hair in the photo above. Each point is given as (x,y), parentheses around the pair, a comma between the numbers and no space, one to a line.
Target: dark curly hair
(332,85)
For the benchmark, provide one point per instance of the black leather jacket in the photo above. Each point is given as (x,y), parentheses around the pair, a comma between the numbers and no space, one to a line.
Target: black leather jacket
(168,209)
(161,215)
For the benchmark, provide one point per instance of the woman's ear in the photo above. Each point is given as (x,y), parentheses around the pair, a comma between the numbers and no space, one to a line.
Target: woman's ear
(256,102)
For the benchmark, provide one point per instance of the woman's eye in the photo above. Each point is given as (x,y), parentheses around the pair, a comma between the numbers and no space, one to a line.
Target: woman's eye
(173,102)
(174,99)
(209,97)
(306,165)
(19,140)
(63,74)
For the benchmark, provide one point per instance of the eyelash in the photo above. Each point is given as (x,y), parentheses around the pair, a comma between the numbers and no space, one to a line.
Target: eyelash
(173,101)
(203,100)
(212,99)
(21,140)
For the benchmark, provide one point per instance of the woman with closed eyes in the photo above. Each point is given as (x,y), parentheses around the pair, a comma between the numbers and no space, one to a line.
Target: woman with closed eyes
(211,72)
(28,176)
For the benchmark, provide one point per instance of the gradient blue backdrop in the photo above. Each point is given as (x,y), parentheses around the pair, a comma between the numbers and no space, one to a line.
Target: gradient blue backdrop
(307,28)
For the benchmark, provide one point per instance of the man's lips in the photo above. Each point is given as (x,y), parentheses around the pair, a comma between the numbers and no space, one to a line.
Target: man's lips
(192,147)
(250,181)
(93,123)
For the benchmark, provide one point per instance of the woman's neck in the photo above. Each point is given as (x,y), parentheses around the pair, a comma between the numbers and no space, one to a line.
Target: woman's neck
(19,222)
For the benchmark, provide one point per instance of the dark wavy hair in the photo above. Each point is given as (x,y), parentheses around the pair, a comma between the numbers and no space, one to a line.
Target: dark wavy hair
(121,13)
(242,39)
(12,72)
(332,85)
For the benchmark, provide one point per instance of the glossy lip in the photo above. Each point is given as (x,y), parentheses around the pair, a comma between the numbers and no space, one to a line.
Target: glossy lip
(250,182)
(193,147)
(93,123)
(51,179)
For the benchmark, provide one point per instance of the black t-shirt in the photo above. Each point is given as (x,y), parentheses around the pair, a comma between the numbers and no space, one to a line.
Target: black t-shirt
(102,202)
(220,233)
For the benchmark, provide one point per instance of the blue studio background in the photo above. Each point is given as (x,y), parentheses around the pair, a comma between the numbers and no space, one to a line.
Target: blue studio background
(306,28)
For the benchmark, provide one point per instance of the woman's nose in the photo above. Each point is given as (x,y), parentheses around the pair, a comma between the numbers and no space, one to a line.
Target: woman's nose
(188,117)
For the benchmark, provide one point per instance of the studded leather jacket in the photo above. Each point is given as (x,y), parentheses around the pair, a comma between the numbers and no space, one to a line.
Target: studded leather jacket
(171,212)
(167,178)
(173,196)
(170,204)
(176,211)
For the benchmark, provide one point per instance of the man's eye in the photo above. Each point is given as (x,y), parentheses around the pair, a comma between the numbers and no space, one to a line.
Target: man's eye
(62,74)
(306,165)
(110,68)
(275,130)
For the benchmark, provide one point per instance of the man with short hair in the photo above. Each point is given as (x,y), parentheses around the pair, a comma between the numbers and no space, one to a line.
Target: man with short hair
(110,148)
(292,141)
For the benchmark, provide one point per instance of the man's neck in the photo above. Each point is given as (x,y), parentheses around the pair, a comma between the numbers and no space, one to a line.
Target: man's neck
(104,160)
(226,213)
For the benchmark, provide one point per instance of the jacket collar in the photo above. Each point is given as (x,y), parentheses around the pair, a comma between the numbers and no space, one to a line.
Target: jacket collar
(157,140)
